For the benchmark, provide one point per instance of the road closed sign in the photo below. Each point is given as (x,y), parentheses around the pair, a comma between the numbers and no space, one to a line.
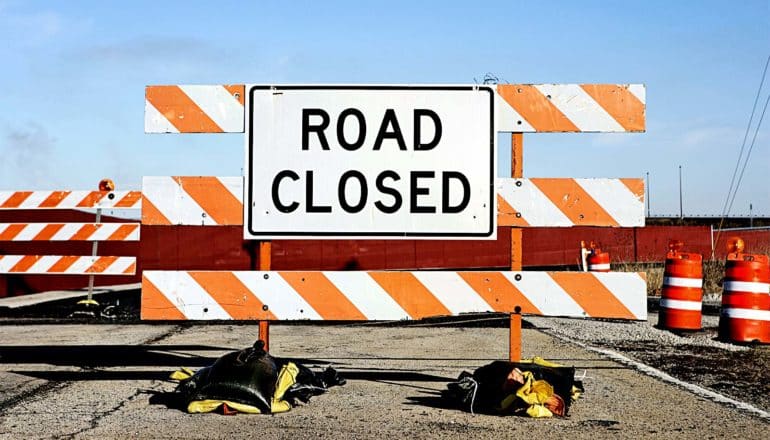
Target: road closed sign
(380,162)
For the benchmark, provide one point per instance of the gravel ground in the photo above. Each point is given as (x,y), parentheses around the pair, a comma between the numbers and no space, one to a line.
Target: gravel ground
(736,371)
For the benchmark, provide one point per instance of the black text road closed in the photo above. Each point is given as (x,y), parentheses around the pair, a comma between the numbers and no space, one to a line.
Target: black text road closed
(370,162)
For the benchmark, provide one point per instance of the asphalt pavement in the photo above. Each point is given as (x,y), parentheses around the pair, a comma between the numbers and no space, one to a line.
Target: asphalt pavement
(111,381)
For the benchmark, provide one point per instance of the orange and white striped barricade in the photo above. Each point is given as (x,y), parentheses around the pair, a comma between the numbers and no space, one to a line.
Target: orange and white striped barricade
(550,202)
(745,315)
(518,108)
(66,265)
(69,231)
(70,199)
(521,108)
(387,295)
(59,232)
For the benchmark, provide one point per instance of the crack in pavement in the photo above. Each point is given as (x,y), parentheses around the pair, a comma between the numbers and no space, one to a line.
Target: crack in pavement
(94,422)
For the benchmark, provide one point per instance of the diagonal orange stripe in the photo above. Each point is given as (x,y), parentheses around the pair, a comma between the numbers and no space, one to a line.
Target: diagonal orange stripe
(54,199)
(155,305)
(230,293)
(16,199)
(636,186)
(85,232)
(48,231)
(214,198)
(63,264)
(92,199)
(129,199)
(122,232)
(591,295)
(101,264)
(12,230)
(322,295)
(535,107)
(131,269)
(151,215)
(181,111)
(620,103)
(25,263)
(410,294)
(240,89)
(572,200)
(506,215)
(498,292)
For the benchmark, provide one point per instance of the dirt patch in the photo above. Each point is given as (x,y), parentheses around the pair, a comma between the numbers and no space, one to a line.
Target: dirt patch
(741,375)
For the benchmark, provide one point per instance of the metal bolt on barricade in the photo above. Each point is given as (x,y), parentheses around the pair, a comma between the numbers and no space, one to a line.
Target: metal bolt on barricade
(745,315)
(682,294)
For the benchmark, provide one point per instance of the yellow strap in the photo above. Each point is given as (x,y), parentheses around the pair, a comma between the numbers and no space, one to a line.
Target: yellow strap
(182,374)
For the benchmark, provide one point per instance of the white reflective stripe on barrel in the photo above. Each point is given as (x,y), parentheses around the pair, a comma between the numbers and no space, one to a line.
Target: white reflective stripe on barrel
(679,304)
(683,282)
(603,266)
(746,286)
(757,315)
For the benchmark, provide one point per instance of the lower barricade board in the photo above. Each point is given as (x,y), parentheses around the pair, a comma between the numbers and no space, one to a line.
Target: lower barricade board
(67,264)
(387,295)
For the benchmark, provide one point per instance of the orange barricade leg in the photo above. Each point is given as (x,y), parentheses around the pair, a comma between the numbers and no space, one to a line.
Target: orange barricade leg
(514,352)
(264,333)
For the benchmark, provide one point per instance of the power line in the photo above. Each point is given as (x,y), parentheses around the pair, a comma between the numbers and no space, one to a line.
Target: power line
(748,153)
(745,137)
(733,190)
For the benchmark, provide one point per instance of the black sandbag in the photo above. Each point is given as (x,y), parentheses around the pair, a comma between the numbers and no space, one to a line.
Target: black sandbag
(247,376)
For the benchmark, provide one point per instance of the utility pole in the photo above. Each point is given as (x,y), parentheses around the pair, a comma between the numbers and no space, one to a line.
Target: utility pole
(681,212)
(648,194)
(751,216)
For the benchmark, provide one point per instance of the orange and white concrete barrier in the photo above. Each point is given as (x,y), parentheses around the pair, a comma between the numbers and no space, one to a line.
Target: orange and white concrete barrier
(384,295)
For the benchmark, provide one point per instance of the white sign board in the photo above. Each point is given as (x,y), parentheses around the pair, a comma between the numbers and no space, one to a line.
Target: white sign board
(384,162)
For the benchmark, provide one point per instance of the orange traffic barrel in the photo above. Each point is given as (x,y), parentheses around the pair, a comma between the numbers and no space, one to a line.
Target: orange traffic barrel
(598,261)
(745,315)
(682,295)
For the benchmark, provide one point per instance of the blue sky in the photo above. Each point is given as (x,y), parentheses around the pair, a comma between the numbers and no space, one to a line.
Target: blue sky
(73,77)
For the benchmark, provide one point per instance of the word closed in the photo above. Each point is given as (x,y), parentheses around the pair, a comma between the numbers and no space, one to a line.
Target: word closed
(370,162)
